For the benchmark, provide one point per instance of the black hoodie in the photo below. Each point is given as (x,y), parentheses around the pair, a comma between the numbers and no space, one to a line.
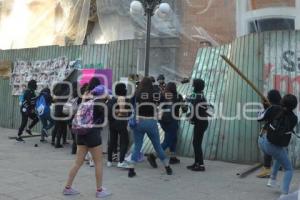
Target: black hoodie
(28,103)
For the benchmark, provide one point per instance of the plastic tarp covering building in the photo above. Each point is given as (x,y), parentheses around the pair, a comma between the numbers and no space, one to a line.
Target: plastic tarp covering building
(32,23)
(188,26)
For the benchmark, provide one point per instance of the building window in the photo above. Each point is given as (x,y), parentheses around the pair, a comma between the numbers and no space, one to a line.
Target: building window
(272,24)
(259,4)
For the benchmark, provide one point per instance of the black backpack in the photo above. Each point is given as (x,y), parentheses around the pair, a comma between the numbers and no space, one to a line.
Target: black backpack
(280,130)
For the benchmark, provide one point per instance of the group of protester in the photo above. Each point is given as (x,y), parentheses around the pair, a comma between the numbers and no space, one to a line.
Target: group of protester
(152,105)
(38,108)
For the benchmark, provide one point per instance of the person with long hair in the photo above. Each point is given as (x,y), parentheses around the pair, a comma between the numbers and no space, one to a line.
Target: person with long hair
(169,121)
(274,98)
(90,142)
(275,140)
(146,117)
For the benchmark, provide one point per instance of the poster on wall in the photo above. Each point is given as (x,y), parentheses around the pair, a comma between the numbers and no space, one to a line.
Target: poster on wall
(45,72)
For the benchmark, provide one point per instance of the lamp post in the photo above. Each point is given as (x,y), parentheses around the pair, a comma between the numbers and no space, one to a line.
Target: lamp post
(150,8)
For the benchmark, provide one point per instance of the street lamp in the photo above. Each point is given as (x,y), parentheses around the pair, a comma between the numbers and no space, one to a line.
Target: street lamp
(149,7)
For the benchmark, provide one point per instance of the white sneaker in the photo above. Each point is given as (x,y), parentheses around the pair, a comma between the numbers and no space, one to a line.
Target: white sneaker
(140,159)
(91,163)
(124,165)
(70,192)
(283,196)
(273,183)
(109,164)
(103,193)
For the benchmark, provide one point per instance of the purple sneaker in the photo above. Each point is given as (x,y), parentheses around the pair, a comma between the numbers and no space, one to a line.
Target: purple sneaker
(104,193)
(70,191)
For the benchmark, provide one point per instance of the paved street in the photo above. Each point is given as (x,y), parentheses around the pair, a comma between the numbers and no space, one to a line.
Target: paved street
(39,173)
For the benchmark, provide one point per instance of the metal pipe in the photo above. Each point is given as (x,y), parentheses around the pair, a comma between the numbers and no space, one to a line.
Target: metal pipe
(148,38)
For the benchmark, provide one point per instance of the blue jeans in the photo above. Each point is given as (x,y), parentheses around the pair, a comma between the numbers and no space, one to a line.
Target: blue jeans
(148,126)
(47,121)
(170,140)
(281,158)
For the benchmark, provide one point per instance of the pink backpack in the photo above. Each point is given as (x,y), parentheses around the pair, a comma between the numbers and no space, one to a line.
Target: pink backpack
(84,118)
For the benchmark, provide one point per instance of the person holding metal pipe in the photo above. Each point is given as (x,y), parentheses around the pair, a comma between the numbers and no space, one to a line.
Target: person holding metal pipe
(276,138)
(274,98)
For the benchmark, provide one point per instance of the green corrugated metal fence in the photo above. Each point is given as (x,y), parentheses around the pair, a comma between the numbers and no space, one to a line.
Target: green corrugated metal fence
(121,56)
(282,60)
(227,140)
(236,140)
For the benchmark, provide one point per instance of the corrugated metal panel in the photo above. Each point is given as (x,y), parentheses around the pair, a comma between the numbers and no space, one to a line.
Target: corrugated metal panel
(228,140)
(236,140)
(282,59)
(114,55)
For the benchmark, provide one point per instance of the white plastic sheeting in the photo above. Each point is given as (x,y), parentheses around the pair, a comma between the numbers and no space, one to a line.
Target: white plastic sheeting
(32,23)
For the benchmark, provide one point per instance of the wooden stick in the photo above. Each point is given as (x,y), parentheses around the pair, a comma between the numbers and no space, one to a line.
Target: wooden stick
(249,170)
(245,79)
(26,136)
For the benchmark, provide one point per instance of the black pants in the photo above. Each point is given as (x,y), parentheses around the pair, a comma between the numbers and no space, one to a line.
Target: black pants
(118,128)
(24,121)
(199,129)
(267,161)
(60,131)
(74,144)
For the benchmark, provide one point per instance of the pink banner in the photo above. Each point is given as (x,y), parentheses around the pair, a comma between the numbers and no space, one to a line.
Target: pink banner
(105,76)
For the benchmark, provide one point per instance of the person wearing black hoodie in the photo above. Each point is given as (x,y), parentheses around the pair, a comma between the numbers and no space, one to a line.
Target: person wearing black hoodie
(274,98)
(275,139)
(61,92)
(169,122)
(117,116)
(28,110)
(200,121)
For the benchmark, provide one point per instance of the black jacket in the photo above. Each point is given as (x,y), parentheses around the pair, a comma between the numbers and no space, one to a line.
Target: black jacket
(112,106)
(199,106)
(59,102)
(29,100)
(279,125)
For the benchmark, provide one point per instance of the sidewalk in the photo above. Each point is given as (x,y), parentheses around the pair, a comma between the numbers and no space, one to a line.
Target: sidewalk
(39,173)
